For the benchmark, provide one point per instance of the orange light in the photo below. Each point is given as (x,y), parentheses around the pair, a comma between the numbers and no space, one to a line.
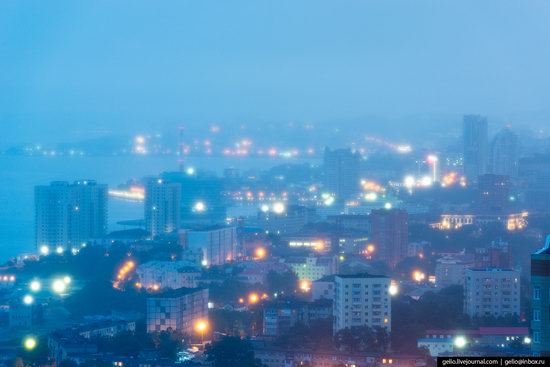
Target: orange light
(253,298)
(201,326)
(260,253)
(264,296)
(305,285)
(241,300)
(371,248)
(418,276)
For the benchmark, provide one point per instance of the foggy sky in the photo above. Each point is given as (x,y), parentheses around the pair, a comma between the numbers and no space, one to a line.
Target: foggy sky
(70,69)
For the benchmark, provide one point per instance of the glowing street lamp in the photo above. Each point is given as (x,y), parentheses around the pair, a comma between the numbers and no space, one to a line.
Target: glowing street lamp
(201,326)
(393,289)
(199,207)
(305,285)
(44,250)
(279,208)
(67,280)
(35,286)
(460,342)
(59,286)
(28,300)
(30,343)
(260,253)
(253,298)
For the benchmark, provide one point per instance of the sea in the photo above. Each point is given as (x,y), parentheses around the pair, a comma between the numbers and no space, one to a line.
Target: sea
(19,175)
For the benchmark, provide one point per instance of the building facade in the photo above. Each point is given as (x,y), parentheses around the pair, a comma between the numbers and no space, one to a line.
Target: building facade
(361,300)
(313,267)
(162,206)
(475,146)
(215,245)
(492,292)
(178,309)
(69,215)
(540,304)
(390,235)
(342,169)
(167,275)
(504,153)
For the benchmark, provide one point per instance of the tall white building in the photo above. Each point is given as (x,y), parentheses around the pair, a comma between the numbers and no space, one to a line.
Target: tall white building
(162,206)
(504,153)
(492,292)
(342,169)
(68,215)
(361,300)
(475,146)
(215,245)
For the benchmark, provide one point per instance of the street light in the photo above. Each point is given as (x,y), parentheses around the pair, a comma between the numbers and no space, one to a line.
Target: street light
(201,326)
(30,343)
(35,286)
(460,342)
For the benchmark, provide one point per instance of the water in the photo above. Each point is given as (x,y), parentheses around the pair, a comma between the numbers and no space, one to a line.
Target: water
(19,175)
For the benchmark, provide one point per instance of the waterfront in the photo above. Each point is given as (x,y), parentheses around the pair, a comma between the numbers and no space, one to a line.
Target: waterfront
(19,175)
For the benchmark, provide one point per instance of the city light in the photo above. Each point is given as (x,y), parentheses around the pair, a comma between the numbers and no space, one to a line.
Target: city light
(418,276)
(67,280)
(409,182)
(199,207)
(527,340)
(29,343)
(35,286)
(371,248)
(388,206)
(264,208)
(305,285)
(190,171)
(460,342)
(253,298)
(201,326)
(393,289)
(328,199)
(28,299)
(59,250)
(44,250)
(279,208)
(59,286)
(260,253)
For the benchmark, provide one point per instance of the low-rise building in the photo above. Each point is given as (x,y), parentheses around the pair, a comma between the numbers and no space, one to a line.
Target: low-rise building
(177,309)
(168,274)
(313,267)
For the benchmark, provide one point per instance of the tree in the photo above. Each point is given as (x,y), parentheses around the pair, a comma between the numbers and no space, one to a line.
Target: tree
(232,351)
(281,282)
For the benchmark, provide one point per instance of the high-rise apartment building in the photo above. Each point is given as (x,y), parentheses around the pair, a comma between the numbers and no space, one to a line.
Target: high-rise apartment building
(390,235)
(492,292)
(361,300)
(214,245)
(162,206)
(540,303)
(475,146)
(342,167)
(504,153)
(69,215)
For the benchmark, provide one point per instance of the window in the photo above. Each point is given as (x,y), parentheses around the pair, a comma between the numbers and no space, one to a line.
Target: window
(536,315)
(536,293)
(536,337)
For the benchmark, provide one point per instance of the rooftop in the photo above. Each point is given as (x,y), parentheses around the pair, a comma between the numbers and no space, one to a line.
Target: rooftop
(360,275)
